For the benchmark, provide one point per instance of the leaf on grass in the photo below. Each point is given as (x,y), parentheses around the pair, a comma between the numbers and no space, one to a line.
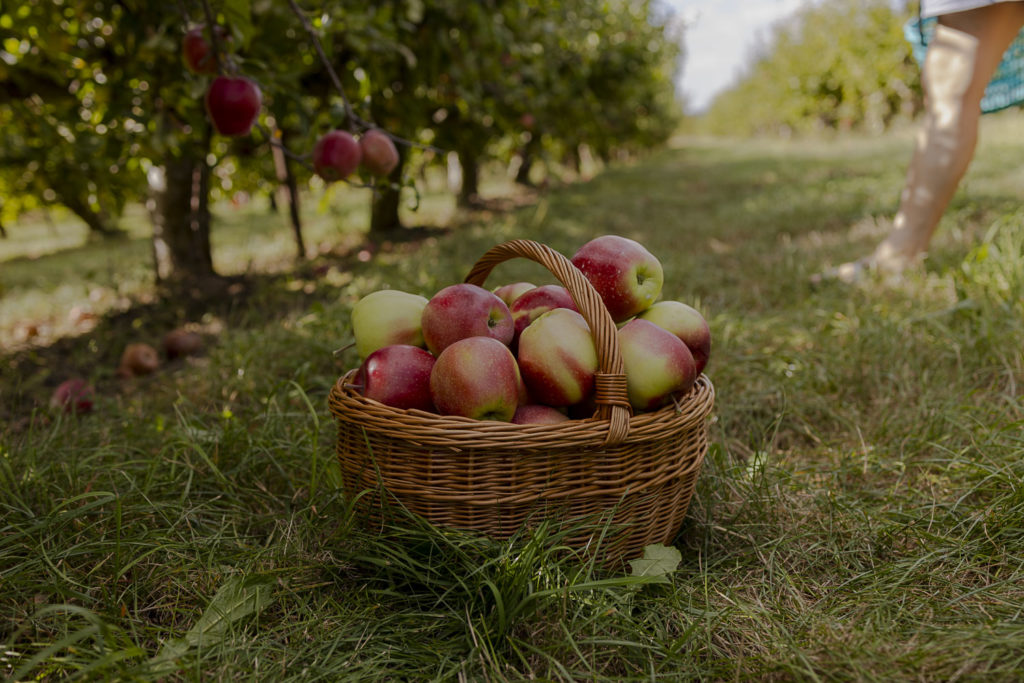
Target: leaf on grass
(238,598)
(657,563)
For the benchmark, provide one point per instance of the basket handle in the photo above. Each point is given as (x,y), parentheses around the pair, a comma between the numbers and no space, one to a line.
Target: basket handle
(610,380)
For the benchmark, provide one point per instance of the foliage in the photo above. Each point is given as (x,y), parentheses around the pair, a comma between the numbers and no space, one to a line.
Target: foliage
(838,65)
(458,74)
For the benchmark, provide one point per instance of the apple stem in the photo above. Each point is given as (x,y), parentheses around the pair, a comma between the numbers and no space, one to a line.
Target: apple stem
(343,349)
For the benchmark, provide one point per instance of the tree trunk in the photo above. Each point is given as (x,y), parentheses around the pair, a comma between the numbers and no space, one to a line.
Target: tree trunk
(469,192)
(528,154)
(286,176)
(272,196)
(384,210)
(181,219)
(3,231)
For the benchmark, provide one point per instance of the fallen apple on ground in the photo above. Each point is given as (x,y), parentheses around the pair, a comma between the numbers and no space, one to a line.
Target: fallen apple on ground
(73,396)
(180,342)
(138,360)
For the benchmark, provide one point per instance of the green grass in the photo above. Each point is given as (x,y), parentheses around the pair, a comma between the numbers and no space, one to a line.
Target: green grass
(860,515)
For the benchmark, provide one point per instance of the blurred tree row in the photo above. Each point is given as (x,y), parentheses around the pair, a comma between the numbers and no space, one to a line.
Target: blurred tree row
(840,65)
(96,108)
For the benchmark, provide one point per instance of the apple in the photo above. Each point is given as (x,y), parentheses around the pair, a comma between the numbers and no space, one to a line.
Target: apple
(233,103)
(181,342)
(465,310)
(558,358)
(510,292)
(624,273)
(387,317)
(336,155)
(138,359)
(537,414)
(657,362)
(531,304)
(398,376)
(73,396)
(685,322)
(380,157)
(476,377)
(196,52)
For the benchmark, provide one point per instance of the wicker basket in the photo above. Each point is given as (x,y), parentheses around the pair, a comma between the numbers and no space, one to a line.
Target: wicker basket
(634,474)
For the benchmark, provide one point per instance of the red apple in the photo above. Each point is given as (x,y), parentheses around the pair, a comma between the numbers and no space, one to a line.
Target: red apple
(658,364)
(465,310)
(476,377)
(398,376)
(380,157)
(196,52)
(510,292)
(336,155)
(138,359)
(557,358)
(387,317)
(537,414)
(624,273)
(531,304)
(233,103)
(73,396)
(685,322)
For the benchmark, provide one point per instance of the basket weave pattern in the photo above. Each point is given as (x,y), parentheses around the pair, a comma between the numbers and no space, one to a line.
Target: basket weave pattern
(637,472)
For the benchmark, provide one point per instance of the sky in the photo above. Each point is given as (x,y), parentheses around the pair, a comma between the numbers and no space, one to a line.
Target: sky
(720,36)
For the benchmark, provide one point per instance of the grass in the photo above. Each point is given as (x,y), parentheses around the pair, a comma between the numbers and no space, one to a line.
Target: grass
(860,514)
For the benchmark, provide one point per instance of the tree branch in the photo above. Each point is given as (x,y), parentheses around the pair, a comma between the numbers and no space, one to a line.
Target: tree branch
(350,116)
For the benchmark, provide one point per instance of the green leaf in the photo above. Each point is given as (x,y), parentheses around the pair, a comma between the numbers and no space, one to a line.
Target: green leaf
(239,16)
(657,563)
(238,598)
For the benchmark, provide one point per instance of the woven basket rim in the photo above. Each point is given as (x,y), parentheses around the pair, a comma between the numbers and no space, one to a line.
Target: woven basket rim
(452,431)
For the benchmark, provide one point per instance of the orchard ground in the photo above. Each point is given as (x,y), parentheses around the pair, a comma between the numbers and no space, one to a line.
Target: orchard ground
(859,516)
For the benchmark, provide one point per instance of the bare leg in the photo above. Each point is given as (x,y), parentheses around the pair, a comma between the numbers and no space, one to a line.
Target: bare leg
(962,57)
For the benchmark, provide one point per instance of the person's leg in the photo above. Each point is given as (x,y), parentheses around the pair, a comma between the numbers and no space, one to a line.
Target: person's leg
(964,54)
(962,57)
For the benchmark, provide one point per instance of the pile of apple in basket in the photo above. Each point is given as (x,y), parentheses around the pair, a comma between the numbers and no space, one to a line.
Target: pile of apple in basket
(525,354)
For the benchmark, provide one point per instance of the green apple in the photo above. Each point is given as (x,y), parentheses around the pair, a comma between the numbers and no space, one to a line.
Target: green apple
(385,318)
